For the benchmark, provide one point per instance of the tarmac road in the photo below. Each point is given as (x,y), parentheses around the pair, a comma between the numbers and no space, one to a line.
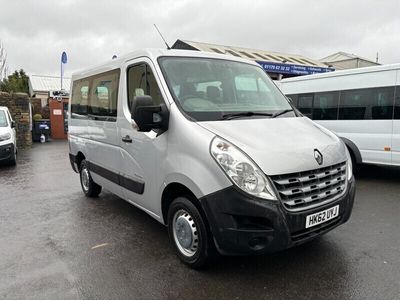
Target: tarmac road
(49,232)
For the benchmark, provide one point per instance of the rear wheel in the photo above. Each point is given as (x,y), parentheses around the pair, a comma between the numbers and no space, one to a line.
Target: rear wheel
(188,233)
(89,187)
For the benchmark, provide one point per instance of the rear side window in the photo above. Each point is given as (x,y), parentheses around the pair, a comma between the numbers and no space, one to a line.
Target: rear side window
(79,99)
(103,99)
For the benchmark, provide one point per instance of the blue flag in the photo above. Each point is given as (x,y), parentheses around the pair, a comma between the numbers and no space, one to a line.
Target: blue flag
(64,58)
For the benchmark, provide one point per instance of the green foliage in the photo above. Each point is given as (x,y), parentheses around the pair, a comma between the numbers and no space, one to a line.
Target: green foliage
(16,82)
(37,117)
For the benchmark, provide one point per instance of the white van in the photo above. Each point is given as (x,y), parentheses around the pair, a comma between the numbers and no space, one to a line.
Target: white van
(362,106)
(207,145)
(8,139)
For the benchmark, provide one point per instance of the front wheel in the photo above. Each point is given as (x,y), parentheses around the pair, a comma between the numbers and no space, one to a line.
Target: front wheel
(13,159)
(188,233)
(89,187)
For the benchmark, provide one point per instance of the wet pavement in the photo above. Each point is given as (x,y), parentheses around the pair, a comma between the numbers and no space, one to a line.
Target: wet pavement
(49,232)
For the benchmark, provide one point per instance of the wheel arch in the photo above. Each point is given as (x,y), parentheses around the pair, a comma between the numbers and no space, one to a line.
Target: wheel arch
(76,161)
(353,149)
(173,190)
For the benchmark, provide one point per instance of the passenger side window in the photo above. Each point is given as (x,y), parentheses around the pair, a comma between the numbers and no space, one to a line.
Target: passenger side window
(79,99)
(306,104)
(141,82)
(103,100)
(397,104)
(353,104)
(382,100)
(325,106)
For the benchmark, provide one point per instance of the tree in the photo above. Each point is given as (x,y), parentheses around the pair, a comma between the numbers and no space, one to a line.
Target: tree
(16,82)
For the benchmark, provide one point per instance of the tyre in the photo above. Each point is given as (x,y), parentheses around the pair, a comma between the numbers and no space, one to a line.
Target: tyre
(89,187)
(13,160)
(187,230)
(354,163)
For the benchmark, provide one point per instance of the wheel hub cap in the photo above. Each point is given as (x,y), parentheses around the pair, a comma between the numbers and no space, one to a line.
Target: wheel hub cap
(85,179)
(185,233)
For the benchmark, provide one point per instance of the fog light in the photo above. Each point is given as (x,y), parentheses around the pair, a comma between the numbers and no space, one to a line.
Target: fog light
(258,243)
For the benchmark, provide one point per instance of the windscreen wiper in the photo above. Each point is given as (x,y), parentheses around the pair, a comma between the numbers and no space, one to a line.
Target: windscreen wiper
(244,114)
(281,112)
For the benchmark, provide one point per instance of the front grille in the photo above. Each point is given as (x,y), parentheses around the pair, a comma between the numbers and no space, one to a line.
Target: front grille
(305,190)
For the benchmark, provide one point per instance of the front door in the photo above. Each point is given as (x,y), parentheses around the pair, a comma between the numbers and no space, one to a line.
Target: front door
(141,152)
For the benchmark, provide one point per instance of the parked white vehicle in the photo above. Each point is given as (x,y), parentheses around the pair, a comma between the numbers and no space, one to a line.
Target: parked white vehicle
(8,142)
(207,145)
(362,106)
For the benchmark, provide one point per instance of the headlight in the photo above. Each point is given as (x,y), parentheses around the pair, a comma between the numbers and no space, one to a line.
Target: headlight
(349,169)
(5,136)
(241,169)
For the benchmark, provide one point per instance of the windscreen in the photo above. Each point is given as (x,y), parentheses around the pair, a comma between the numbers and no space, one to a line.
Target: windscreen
(3,119)
(207,89)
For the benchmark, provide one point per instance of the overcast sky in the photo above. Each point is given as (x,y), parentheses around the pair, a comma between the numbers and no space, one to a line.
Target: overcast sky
(35,33)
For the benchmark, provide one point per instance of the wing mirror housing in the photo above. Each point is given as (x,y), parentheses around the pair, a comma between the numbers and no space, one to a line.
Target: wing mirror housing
(148,116)
(12,124)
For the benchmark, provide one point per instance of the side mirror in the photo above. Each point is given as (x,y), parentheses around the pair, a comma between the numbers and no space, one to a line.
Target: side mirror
(289,100)
(147,115)
(12,124)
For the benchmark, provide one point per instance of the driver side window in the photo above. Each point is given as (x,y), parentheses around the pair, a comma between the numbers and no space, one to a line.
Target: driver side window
(141,82)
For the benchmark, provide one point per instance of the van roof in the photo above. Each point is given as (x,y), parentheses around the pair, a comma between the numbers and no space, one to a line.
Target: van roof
(153,54)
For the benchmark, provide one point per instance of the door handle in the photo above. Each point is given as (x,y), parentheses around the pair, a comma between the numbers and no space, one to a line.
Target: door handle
(127,139)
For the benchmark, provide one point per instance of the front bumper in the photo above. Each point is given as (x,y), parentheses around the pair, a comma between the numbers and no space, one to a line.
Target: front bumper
(7,152)
(242,224)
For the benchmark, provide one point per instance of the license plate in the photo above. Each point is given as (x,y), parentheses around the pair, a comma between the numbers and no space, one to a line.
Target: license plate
(322,216)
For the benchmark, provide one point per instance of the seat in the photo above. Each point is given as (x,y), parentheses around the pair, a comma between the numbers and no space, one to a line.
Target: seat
(213,94)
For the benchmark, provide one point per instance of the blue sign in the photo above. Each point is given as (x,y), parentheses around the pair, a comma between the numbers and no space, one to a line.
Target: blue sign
(292,69)
(64,58)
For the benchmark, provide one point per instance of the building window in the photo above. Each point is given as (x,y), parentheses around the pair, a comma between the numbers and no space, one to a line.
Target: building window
(232,52)
(246,54)
(217,50)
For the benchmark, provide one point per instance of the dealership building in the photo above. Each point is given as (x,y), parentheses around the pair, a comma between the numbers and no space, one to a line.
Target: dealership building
(277,65)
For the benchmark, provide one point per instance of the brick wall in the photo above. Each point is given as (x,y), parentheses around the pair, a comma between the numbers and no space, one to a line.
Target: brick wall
(18,104)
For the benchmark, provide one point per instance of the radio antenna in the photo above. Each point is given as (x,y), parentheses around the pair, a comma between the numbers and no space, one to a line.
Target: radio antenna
(168,47)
